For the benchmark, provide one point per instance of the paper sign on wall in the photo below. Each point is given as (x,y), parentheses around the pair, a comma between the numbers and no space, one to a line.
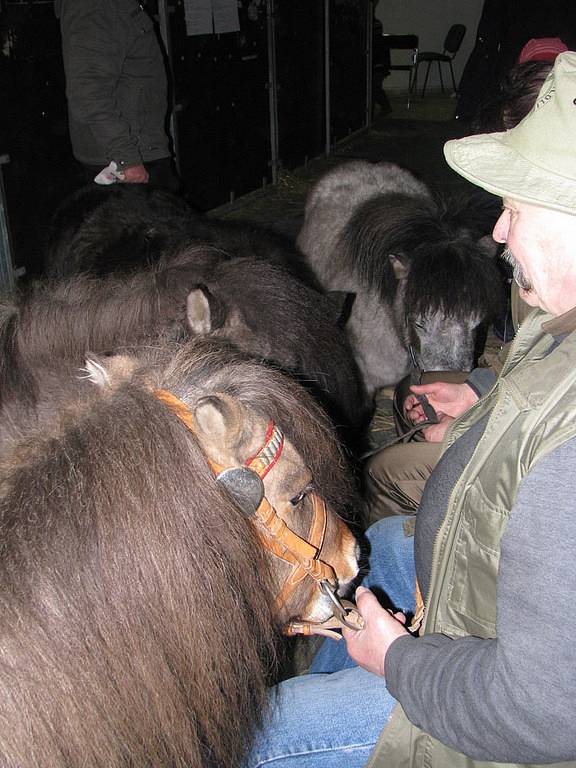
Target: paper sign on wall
(203,17)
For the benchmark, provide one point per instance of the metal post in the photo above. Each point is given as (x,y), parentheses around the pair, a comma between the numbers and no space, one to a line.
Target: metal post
(7,274)
(272,90)
(164,25)
(327,103)
(369,63)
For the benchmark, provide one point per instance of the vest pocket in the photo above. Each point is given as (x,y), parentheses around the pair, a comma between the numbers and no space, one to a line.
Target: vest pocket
(471,585)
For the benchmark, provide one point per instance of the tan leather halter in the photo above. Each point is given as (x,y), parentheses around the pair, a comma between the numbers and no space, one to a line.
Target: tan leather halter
(275,535)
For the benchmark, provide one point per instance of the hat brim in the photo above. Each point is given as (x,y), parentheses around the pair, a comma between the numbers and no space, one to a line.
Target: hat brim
(489,161)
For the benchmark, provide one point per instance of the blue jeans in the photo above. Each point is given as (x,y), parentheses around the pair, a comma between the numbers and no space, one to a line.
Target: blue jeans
(332,717)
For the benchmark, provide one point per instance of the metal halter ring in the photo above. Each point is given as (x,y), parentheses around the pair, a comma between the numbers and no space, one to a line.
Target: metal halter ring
(339,610)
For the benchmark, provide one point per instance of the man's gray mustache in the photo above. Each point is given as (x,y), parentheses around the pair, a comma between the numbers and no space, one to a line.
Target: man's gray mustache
(518,273)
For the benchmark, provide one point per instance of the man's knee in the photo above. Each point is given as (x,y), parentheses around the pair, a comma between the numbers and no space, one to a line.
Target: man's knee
(395,478)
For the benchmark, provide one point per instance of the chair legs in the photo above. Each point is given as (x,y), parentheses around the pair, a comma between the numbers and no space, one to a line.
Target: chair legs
(440,76)
(453,78)
(426,78)
(412,83)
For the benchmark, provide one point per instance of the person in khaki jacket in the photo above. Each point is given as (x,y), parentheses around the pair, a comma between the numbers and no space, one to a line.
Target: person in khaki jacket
(484,674)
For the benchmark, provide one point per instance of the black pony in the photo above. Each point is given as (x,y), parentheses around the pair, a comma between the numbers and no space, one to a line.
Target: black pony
(122,227)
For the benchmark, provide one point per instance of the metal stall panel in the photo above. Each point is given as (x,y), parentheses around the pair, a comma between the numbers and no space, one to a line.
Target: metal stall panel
(221,113)
(33,127)
(349,90)
(300,45)
(7,272)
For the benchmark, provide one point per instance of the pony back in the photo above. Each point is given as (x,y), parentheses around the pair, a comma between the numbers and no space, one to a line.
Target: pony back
(136,626)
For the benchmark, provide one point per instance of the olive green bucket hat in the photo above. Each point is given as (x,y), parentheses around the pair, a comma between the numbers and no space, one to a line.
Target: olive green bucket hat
(534,162)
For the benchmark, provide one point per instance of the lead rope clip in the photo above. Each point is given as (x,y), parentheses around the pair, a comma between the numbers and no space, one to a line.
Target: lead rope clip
(344,614)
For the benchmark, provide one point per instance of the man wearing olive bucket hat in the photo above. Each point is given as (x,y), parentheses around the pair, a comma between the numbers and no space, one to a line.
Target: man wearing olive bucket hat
(486,672)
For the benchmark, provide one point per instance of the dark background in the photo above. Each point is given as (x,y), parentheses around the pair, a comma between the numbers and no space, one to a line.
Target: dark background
(221,87)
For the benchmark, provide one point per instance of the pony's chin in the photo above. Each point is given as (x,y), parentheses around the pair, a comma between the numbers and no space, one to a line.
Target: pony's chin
(321,607)
(318,610)
(345,587)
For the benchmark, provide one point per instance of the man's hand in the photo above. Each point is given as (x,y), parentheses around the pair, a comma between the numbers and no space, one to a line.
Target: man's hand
(448,400)
(368,646)
(435,432)
(136,174)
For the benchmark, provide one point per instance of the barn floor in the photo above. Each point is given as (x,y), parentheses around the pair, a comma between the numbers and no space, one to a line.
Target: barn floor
(411,137)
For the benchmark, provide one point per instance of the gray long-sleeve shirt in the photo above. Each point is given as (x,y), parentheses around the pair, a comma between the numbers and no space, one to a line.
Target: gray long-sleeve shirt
(509,698)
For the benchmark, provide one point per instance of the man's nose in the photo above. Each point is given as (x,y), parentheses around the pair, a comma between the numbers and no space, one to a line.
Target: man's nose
(500,231)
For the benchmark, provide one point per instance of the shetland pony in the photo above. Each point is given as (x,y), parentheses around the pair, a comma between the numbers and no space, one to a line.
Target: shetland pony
(140,611)
(423,270)
(261,308)
(122,227)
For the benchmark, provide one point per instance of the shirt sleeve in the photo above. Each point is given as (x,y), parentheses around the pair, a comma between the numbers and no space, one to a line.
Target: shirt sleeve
(481,380)
(94,48)
(509,699)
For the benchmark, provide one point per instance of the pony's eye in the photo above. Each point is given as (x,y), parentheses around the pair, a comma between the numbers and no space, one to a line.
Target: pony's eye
(297,499)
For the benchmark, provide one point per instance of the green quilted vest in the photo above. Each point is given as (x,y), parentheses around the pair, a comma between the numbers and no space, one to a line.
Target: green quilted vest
(533,406)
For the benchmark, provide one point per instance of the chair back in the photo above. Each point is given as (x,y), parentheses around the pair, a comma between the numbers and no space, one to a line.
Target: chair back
(454,39)
(401,42)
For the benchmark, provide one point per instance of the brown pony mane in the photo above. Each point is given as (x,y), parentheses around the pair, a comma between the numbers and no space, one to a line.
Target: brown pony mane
(63,320)
(137,622)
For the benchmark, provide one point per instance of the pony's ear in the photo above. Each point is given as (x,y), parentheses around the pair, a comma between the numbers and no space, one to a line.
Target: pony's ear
(400,266)
(204,312)
(219,421)
(109,372)
(489,246)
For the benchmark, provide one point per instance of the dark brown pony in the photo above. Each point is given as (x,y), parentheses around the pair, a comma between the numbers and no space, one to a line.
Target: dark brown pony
(247,282)
(261,308)
(139,613)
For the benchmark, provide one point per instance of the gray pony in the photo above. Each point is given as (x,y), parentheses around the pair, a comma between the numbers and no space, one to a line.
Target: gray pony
(422,270)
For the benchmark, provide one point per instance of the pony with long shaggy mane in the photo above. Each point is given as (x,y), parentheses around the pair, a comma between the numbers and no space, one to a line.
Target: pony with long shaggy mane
(261,308)
(422,268)
(138,624)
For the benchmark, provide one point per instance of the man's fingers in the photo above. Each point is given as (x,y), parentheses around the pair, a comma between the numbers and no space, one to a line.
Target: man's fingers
(423,389)
(364,597)
(367,603)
